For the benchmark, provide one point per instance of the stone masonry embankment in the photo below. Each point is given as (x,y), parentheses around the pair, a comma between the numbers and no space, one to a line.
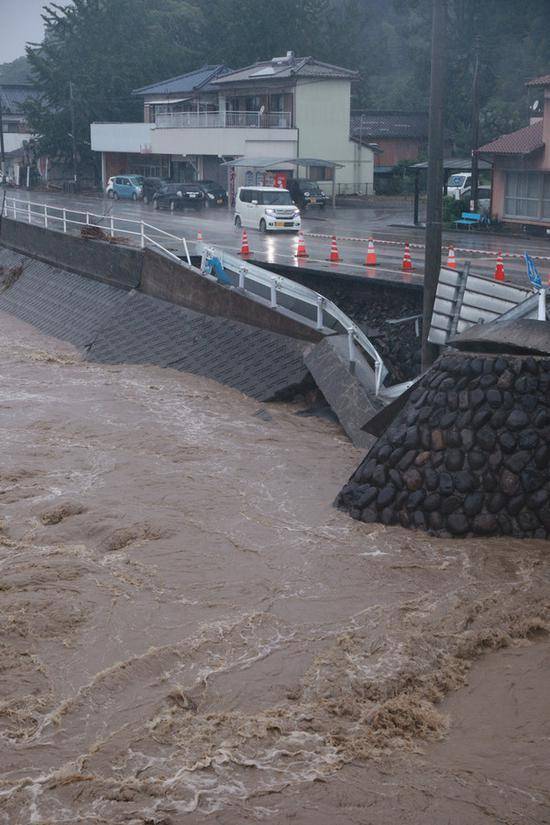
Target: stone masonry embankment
(468,454)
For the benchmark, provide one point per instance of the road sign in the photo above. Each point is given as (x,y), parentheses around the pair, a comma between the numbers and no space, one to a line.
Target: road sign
(534,276)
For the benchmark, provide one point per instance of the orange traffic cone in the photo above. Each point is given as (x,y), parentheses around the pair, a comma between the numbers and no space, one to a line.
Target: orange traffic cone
(334,256)
(370,260)
(301,252)
(199,236)
(245,249)
(499,269)
(407,263)
(451,258)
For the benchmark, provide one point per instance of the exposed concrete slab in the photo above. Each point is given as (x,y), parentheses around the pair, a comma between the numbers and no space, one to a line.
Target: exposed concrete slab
(348,396)
(523,335)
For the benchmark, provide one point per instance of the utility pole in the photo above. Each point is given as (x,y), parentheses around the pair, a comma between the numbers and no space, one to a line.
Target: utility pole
(475,127)
(432,261)
(73,136)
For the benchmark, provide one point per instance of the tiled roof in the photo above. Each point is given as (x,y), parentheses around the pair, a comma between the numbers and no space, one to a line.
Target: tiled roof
(390,124)
(266,70)
(13,95)
(543,80)
(521,142)
(185,83)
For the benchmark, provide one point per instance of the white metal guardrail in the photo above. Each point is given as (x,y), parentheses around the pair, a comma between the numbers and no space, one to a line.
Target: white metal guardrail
(282,294)
(63,219)
(275,291)
(464,299)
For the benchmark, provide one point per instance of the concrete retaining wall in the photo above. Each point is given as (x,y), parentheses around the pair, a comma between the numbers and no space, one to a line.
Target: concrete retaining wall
(165,279)
(152,273)
(116,265)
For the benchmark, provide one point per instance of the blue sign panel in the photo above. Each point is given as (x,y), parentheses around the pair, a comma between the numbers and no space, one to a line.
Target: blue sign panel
(534,276)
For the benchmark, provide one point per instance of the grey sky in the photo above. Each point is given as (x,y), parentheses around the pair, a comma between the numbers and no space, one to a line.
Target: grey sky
(20,22)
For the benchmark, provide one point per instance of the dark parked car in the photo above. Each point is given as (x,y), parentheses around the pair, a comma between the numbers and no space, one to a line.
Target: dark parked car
(306,192)
(214,194)
(151,186)
(178,196)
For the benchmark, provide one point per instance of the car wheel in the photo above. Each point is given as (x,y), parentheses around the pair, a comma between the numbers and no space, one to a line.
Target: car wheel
(115,196)
(238,222)
(322,205)
(110,194)
(263,226)
(156,204)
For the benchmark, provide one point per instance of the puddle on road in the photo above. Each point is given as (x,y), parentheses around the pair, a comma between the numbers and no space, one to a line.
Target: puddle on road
(189,629)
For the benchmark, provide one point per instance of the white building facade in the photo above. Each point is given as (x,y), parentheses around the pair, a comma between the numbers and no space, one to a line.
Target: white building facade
(271,112)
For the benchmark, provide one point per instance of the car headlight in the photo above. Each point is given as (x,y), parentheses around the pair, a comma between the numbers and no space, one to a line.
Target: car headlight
(270,212)
(179,194)
(210,196)
(296,213)
(306,194)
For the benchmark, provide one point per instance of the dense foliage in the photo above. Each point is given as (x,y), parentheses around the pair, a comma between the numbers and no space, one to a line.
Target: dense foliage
(109,48)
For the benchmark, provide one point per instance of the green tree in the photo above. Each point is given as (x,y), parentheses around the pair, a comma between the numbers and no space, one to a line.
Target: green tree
(105,49)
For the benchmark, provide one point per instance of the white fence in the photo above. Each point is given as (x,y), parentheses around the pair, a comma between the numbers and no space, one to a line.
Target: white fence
(217,120)
(279,293)
(298,301)
(64,219)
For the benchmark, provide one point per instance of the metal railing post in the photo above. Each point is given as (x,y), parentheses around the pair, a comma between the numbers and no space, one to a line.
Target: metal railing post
(29,212)
(142,235)
(64,220)
(542,305)
(241,277)
(273,294)
(45,216)
(14,210)
(351,346)
(112,227)
(87,218)
(319,321)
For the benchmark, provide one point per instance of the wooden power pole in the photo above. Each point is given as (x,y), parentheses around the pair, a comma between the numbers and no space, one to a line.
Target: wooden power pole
(475,127)
(432,261)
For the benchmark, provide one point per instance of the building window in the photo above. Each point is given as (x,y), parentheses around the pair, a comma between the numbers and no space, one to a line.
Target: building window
(523,197)
(320,173)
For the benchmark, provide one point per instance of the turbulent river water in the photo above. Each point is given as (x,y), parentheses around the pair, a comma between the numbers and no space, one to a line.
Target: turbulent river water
(190,632)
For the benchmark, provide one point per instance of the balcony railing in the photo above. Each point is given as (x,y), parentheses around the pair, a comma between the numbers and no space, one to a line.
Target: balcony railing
(221,120)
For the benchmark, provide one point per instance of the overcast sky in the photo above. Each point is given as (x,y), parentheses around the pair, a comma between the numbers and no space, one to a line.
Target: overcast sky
(20,22)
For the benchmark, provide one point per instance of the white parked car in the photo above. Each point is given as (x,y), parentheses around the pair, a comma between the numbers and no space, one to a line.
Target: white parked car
(266,208)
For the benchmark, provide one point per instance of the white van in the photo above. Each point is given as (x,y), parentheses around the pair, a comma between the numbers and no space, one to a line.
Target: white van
(266,208)
(457,185)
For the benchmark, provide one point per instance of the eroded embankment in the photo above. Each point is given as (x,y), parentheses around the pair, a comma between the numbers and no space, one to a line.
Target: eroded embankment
(190,628)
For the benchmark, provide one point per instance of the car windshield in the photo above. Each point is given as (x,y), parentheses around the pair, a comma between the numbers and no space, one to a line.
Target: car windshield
(190,187)
(137,180)
(172,187)
(457,180)
(309,186)
(211,187)
(281,198)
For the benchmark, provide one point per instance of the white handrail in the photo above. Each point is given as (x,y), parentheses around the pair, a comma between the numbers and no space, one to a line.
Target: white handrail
(47,214)
(324,308)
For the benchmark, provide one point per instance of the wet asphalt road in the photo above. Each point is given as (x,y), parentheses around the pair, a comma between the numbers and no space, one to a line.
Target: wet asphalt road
(388,225)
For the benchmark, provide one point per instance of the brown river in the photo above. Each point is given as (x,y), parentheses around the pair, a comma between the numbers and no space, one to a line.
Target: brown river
(191,633)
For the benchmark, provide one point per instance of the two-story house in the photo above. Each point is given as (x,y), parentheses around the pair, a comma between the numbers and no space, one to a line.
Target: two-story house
(271,113)
(521,166)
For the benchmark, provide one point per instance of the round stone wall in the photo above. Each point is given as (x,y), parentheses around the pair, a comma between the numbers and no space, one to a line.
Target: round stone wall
(467,455)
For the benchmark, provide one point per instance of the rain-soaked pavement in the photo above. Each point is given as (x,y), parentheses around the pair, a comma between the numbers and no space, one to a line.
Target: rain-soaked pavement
(190,631)
(388,224)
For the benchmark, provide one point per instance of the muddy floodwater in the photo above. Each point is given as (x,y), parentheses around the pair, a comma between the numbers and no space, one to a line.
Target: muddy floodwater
(191,633)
